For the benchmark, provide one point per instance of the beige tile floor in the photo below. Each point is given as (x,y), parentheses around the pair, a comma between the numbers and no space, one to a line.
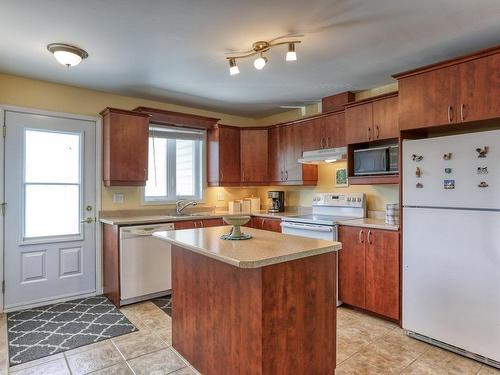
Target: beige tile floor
(366,345)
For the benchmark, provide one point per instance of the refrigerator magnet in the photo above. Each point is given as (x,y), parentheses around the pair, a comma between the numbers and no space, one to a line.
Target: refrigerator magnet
(416,157)
(482,170)
(447,156)
(419,185)
(482,152)
(448,170)
(483,184)
(449,184)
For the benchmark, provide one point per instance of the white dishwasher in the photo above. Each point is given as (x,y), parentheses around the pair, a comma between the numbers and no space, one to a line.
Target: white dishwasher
(145,263)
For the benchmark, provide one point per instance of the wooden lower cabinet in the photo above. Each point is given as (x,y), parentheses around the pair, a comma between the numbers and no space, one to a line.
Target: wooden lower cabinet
(205,223)
(369,270)
(265,223)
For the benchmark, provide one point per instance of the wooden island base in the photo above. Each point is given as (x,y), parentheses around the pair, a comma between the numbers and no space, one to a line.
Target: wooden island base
(277,319)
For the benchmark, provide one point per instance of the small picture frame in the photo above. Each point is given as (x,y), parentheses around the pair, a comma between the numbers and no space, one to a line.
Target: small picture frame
(341,179)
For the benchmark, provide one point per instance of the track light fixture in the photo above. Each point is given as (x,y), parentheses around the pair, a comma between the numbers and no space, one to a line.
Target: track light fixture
(258,48)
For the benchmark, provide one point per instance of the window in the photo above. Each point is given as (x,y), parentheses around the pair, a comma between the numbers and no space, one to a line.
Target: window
(175,168)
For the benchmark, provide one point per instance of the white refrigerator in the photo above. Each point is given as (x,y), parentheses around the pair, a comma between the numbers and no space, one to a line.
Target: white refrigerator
(451,243)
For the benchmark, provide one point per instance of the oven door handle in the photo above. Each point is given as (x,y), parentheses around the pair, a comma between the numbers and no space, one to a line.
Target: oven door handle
(311,227)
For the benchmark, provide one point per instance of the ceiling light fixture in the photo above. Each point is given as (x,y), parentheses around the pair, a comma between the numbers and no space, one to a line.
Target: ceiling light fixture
(66,54)
(233,67)
(258,48)
(291,55)
(260,62)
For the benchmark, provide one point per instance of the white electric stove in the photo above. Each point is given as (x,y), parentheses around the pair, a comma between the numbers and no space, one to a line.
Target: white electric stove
(327,210)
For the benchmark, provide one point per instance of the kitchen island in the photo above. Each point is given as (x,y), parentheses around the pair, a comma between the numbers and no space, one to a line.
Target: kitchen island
(261,306)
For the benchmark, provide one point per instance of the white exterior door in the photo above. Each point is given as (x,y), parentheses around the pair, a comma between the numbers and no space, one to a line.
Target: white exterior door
(50,191)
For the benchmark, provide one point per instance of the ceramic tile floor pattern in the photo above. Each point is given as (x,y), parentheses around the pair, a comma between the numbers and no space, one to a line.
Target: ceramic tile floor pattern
(366,345)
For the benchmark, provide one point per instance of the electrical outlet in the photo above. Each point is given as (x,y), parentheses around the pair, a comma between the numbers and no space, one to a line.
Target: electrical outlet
(118,198)
(220,195)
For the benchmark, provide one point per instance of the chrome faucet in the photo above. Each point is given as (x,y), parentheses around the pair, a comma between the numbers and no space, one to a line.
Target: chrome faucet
(181,204)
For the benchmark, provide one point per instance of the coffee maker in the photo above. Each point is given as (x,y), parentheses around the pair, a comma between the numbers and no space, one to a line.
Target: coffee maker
(277,201)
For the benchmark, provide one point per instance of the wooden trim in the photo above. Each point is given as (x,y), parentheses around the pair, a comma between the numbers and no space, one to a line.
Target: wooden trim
(449,62)
(107,110)
(111,263)
(164,117)
(298,121)
(372,99)
(374,180)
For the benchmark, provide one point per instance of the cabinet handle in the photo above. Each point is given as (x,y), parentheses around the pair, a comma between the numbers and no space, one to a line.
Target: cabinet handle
(450,117)
(361,236)
(369,134)
(286,175)
(201,224)
(281,175)
(321,143)
(462,107)
(370,237)
(221,175)
(145,174)
(327,141)
(378,132)
(195,224)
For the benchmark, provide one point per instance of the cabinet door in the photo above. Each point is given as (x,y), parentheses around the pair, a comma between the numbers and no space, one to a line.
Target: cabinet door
(382,272)
(254,155)
(257,222)
(206,223)
(428,99)
(359,120)
(229,155)
(479,97)
(185,224)
(275,157)
(291,148)
(385,118)
(313,137)
(125,148)
(334,130)
(352,266)
(273,225)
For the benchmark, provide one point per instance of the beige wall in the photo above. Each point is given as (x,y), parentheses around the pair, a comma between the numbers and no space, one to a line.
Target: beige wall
(377,195)
(25,92)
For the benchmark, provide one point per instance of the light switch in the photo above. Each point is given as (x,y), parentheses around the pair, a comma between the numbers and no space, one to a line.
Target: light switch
(220,195)
(118,198)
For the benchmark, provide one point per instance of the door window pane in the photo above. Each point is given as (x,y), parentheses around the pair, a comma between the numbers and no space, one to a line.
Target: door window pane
(52,157)
(52,210)
(156,186)
(185,167)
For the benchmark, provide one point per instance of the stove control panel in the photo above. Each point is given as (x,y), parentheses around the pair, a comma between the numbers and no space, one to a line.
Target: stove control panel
(339,199)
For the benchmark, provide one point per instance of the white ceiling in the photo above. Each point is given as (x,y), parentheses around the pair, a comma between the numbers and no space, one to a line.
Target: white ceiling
(173,50)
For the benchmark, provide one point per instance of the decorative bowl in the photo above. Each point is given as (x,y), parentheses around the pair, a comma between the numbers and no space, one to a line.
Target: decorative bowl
(235,233)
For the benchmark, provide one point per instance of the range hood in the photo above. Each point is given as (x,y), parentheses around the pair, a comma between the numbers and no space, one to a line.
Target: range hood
(324,156)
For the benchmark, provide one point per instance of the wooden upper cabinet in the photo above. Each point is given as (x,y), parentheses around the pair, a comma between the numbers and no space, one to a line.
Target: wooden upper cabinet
(324,132)
(223,156)
(275,157)
(479,94)
(385,118)
(334,130)
(351,268)
(428,99)
(254,155)
(313,134)
(291,147)
(465,89)
(372,119)
(382,273)
(125,147)
(359,121)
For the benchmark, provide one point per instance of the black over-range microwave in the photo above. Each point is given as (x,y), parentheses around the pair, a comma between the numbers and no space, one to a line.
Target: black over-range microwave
(376,160)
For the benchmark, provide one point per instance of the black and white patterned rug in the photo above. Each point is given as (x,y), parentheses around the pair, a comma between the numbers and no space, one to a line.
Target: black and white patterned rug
(164,303)
(43,331)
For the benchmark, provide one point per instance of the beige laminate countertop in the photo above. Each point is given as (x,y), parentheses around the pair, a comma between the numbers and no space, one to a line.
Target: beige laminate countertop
(263,249)
(368,222)
(166,218)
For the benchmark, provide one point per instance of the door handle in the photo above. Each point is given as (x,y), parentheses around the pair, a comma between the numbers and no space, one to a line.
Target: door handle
(361,236)
(87,220)
(450,117)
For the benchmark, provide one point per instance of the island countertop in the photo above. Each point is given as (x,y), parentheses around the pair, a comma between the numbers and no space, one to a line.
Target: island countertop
(263,249)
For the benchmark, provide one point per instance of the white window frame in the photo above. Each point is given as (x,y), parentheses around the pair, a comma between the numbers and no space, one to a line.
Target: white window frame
(200,167)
